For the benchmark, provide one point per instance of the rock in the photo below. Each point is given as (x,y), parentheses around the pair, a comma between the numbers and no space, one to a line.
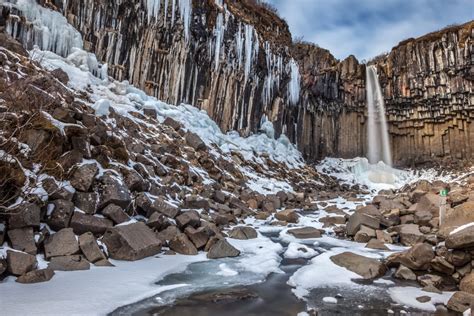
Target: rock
(199,237)
(61,213)
(410,234)
(367,268)
(404,273)
(62,243)
(219,197)
(243,232)
(131,242)
(195,202)
(194,141)
(90,248)
(115,213)
(82,223)
(441,265)
(158,221)
(22,239)
(86,202)
(423,299)
(222,249)
(430,280)
(3,267)
(305,232)
(461,239)
(172,123)
(181,244)
(168,233)
(459,258)
(113,191)
(358,219)
(83,176)
(417,257)
(36,276)
(150,112)
(376,244)
(461,301)
(467,283)
(428,202)
(61,75)
(289,216)
(134,181)
(69,263)
(459,216)
(364,234)
(160,205)
(103,263)
(19,263)
(423,217)
(188,218)
(26,215)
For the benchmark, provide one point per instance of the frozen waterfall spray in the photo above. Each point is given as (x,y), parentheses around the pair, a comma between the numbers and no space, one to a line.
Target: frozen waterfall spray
(377,131)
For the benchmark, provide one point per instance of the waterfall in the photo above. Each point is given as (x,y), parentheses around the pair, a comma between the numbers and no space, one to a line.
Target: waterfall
(378,143)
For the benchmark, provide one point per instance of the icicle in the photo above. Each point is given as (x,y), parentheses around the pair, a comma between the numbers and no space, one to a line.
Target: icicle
(219,34)
(186,11)
(239,44)
(153,9)
(294,85)
(173,11)
(248,49)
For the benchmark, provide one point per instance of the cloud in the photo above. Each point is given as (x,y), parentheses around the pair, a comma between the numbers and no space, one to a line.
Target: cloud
(366,28)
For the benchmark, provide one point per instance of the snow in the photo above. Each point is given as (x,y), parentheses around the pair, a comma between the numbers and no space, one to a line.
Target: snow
(329,299)
(102,288)
(461,228)
(226,271)
(297,250)
(407,297)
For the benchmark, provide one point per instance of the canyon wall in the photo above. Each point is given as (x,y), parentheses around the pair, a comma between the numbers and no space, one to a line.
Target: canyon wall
(236,60)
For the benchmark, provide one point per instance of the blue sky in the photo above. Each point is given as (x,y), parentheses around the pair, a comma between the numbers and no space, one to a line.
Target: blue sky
(366,28)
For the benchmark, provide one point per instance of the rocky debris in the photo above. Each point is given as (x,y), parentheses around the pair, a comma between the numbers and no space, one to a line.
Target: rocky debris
(467,283)
(194,141)
(83,176)
(36,276)
(418,257)
(131,242)
(222,249)
(357,219)
(168,233)
(404,273)
(69,263)
(243,232)
(367,268)
(115,213)
(200,236)
(86,201)
(61,213)
(19,263)
(305,232)
(461,301)
(26,215)
(289,216)
(158,221)
(188,218)
(181,244)
(62,243)
(172,123)
(90,248)
(22,239)
(113,191)
(82,223)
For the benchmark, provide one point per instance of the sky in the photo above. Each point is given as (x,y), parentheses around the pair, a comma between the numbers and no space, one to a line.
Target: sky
(367,28)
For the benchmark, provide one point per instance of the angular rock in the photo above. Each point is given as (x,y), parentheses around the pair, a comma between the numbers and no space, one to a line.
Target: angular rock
(19,263)
(62,243)
(168,233)
(404,273)
(160,205)
(61,213)
(410,234)
(467,283)
(430,280)
(188,218)
(305,232)
(195,202)
(222,249)
(181,244)
(134,181)
(442,265)
(26,215)
(417,257)
(461,239)
(367,268)
(459,258)
(69,263)
(86,201)
(113,191)
(36,276)
(376,244)
(459,216)
(82,223)
(289,216)
(131,242)
(83,176)
(461,301)
(200,236)
(243,233)
(22,239)
(57,191)
(158,221)
(358,219)
(115,213)
(194,141)
(90,248)
(172,123)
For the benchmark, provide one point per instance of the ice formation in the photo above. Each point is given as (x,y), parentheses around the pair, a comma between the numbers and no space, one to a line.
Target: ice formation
(185,10)
(294,85)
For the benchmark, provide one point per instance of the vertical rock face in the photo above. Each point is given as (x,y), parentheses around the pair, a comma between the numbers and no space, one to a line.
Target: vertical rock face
(236,60)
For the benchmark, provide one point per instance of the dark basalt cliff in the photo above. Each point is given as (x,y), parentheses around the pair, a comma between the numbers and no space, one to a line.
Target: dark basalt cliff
(236,60)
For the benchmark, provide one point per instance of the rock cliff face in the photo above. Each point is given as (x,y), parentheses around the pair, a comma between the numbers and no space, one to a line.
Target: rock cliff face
(236,60)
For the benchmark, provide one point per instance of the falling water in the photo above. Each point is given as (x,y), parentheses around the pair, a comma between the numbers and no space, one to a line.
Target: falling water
(377,132)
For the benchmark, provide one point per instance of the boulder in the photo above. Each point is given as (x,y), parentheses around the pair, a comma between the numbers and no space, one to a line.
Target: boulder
(404,273)
(82,223)
(36,276)
(23,239)
(166,208)
(430,280)
(200,236)
(113,191)
(168,233)
(357,219)
(86,201)
(158,221)
(461,301)
(429,202)
(83,176)
(57,191)
(172,123)
(131,242)
(305,232)
(69,263)
(62,243)
(194,141)
(195,202)
(289,216)
(60,213)
(442,265)
(461,239)
(467,283)
(367,268)
(243,232)
(376,244)
(19,263)
(26,215)
(134,181)
(410,234)
(115,213)
(459,216)
(90,248)
(364,234)
(188,218)
(222,249)
(417,257)
(458,258)
(181,244)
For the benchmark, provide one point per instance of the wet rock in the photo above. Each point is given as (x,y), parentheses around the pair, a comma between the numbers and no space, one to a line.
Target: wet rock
(461,239)
(82,223)
(22,239)
(62,243)
(36,276)
(113,191)
(90,248)
(181,244)
(404,273)
(131,242)
(289,216)
(115,213)
(243,232)
(461,301)
(61,214)
(467,283)
(19,263)
(26,215)
(86,201)
(188,218)
(83,176)
(222,249)
(358,219)
(305,232)
(69,263)
(417,257)
(194,141)
(367,268)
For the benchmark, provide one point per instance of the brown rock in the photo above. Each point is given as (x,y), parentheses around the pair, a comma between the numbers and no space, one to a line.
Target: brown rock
(82,223)
(188,218)
(417,257)
(200,236)
(26,215)
(113,191)
(404,273)
(22,239)
(90,248)
(289,216)
(461,239)
(19,263)
(158,221)
(115,213)
(358,219)
(367,268)
(194,141)
(36,276)
(168,233)
(181,244)
(305,232)
(62,243)
(222,249)
(69,263)
(86,201)
(83,176)
(61,213)
(376,244)
(243,232)
(467,283)
(441,265)
(461,301)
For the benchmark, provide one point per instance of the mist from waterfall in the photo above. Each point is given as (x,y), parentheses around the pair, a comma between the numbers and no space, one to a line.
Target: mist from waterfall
(378,143)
